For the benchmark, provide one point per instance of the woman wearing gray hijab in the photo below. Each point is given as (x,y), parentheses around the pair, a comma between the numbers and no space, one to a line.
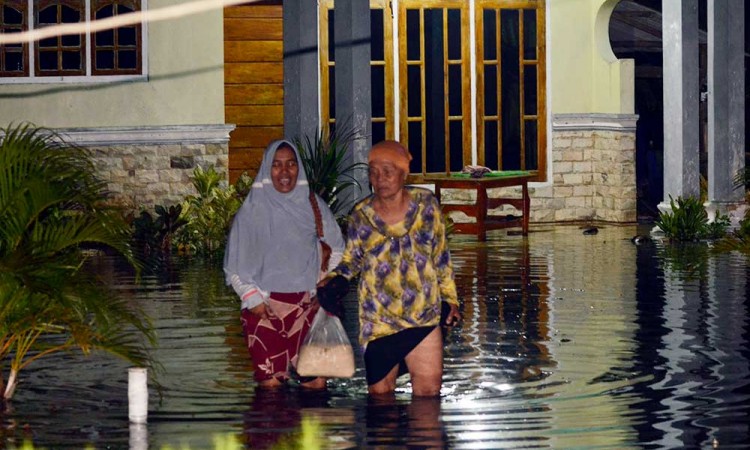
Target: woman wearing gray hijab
(273,262)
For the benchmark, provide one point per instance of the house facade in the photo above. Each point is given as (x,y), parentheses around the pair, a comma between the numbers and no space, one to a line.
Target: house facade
(147,99)
(508,84)
(511,85)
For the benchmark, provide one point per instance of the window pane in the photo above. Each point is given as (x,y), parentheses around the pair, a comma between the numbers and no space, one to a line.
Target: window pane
(48,60)
(71,61)
(455,85)
(412,35)
(49,42)
(490,90)
(414,87)
(454,34)
(123,9)
(529,34)
(331,37)
(106,37)
(510,85)
(69,15)
(490,145)
(11,16)
(415,146)
(434,110)
(127,36)
(73,40)
(332,92)
(376,35)
(457,146)
(490,34)
(378,132)
(13,62)
(104,12)
(105,59)
(531,140)
(529,90)
(378,91)
(48,15)
(127,59)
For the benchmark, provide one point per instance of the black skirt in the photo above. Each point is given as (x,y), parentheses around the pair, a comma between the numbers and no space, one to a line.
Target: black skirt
(383,354)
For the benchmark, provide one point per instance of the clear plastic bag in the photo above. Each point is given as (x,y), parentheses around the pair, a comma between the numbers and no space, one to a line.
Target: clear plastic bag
(326,350)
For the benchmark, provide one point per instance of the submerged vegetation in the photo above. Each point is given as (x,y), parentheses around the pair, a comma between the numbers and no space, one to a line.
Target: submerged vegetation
(689,221)
(52,215)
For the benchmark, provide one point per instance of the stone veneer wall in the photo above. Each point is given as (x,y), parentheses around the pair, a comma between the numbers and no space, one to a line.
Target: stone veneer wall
(592,173)
(148,166)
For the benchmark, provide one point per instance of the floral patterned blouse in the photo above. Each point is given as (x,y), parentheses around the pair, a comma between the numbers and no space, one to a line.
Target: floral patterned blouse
(405,268)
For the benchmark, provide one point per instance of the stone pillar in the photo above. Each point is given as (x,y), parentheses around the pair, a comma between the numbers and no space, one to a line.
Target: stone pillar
(353,87)
(301,109)
(726,101)
(681,100)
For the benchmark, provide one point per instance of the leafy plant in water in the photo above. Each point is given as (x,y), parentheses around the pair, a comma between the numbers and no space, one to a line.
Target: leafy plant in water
(51,211)
(208,215)
(688,221)
(328,168)
(151,233)
(739,239)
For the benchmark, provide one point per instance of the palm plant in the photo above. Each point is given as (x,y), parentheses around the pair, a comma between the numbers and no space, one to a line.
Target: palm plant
(329,171)
(51,210)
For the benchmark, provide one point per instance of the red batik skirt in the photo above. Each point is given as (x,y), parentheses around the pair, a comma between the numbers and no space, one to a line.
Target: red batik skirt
(274,343)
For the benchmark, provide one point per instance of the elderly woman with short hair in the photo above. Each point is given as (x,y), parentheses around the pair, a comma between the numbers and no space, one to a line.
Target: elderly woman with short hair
(396,244)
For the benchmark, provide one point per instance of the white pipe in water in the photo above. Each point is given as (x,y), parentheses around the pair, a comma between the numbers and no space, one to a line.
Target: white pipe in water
(138,436)
(137,394)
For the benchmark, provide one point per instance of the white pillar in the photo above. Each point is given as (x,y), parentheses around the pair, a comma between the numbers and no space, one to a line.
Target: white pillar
(681,100)
(726,101)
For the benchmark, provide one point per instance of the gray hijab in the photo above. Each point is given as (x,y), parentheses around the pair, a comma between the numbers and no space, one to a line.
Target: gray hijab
(273,240)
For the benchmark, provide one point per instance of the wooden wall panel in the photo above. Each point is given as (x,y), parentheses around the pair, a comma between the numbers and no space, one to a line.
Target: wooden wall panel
(257,115)
(253,82)
(262,29)
(254,94)
(257,136)
(253,73)
(254,51)
(254,10)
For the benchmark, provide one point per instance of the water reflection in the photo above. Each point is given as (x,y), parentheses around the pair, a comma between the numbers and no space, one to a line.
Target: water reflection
(568,340)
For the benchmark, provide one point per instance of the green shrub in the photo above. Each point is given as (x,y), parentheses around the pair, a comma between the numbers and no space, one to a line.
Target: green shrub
(688,221)
(739,239)
(208,215)
(151,233)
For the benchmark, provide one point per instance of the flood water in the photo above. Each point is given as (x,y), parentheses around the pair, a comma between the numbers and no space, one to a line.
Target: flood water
(568,341)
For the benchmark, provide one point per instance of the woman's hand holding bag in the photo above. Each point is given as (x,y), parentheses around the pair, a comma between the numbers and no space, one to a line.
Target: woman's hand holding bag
(326,350)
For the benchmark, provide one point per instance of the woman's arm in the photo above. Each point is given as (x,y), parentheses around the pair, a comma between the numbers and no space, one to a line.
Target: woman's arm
(353,255)
(441,257)
(250,294)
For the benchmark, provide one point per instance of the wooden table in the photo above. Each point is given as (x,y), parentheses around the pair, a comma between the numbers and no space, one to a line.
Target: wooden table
(483,204)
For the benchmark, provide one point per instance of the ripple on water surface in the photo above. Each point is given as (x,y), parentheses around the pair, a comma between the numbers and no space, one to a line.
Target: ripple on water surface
(568,340)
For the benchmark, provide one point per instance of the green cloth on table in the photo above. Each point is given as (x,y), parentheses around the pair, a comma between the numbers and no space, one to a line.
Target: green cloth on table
(494,174)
